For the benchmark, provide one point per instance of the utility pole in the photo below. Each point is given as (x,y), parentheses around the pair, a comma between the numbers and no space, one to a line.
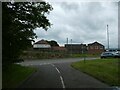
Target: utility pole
(83,52)
(71,47)
(67,41)
(108,37)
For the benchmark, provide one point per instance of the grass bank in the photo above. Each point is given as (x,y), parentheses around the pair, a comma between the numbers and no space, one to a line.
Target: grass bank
(105,70)
(85,55)
(13,75)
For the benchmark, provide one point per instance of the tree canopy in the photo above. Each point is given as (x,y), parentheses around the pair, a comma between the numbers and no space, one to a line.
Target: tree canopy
(19,19)
(53,43)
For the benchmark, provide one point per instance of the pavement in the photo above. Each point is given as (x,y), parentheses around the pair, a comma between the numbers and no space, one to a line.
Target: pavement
(59,75)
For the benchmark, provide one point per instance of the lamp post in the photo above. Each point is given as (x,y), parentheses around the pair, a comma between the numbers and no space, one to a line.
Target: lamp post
(71,47)
(107,37)
(67,41)
(83,52)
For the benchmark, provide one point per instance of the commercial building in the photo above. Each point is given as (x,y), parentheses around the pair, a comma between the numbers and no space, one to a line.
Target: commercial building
(76,48)
(92,48)
(95,48)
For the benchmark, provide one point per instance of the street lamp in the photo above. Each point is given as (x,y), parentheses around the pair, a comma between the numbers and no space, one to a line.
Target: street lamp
(108,37)
(71,47)
(83,52)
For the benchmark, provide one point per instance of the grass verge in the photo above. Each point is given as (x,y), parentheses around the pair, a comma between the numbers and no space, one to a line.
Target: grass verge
(105,70)
(13,75)
(85,55)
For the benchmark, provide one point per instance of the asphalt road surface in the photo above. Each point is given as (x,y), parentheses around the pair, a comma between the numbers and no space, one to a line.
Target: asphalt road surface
(59,74)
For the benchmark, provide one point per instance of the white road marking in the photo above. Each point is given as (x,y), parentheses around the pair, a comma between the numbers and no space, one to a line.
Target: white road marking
(61,78)
(34,64)
(57,70)
(62,82)
(53,65)
(44,63)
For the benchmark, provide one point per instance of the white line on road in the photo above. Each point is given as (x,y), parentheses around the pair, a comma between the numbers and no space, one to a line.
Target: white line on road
(44,63)
(57,70)
(53,65)
(61,78)
(62,82)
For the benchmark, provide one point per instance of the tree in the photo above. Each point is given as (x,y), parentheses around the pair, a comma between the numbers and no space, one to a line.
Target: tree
(53,43)
(19,19)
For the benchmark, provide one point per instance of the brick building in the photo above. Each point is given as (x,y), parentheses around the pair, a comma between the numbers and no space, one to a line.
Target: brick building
(95,48)
(58,49)
(92,48)
(76,48)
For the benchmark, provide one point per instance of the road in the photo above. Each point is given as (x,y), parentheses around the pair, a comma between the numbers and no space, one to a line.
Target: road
(51,61)
(59,74)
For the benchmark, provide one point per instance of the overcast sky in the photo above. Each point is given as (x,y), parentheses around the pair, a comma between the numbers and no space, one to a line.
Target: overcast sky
(83,22)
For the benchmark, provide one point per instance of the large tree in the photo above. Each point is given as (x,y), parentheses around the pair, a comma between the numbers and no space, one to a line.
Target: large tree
(53,43)
(19,19)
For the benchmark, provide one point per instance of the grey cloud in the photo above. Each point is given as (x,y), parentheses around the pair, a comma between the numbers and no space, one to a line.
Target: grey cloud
(68,6)
(83,22)
(94,7)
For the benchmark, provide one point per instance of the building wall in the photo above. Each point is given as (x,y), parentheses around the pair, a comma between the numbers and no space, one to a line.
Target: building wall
(76,48)
(95,49)
(58,49)
(41,46)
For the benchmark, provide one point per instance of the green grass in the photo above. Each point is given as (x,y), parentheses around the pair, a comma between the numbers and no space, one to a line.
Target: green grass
(85,55)
(13,75)
(105,70)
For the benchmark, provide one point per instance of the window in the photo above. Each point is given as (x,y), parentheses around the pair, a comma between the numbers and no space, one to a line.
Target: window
(101,47)
(96,47)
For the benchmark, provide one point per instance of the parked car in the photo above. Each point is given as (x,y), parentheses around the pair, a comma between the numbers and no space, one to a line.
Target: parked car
(110,54)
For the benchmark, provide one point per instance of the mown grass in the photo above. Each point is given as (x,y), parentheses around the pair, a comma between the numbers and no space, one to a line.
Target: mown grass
(13,75)
(105,70)
(85,55)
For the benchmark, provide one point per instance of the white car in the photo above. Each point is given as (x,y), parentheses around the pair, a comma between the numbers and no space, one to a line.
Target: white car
(110,55)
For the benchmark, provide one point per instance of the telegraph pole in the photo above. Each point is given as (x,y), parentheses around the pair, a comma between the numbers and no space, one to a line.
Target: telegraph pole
(67,41)
(108,37)
(71,47)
